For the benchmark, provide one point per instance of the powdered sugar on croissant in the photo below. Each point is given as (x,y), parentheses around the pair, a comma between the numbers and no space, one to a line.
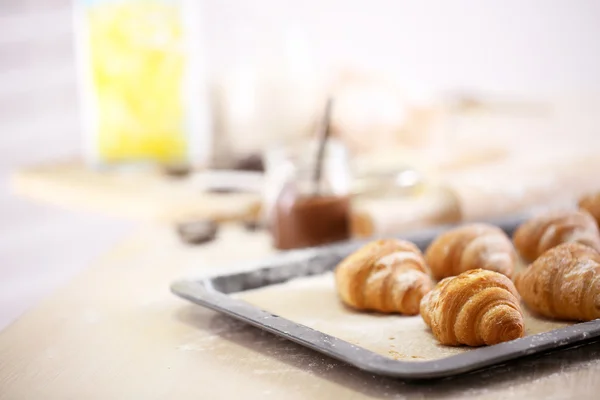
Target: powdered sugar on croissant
(563,283)
(474,308)
(591,204)
(386,275)
(546,231)
(471,246)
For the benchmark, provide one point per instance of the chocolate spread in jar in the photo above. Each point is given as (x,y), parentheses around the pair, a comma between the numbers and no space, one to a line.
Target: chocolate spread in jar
(310,221)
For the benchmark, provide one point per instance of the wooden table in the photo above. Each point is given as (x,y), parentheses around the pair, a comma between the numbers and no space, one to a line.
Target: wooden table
(116,332)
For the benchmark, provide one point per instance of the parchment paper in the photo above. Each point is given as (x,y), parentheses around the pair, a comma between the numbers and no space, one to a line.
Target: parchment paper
(313,301)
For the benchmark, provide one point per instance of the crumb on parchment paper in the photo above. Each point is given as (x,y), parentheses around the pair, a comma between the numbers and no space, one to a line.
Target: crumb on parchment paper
(400,356)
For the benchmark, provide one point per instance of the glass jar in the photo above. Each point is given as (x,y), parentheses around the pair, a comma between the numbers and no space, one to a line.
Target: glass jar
(302,210)
(142,83)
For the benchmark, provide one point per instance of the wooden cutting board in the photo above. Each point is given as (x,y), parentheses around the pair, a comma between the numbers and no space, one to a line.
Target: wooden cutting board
(479,192)
(136,194)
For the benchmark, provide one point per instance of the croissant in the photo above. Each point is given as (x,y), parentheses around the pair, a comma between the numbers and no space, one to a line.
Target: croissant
(549,230)
(386,275)
(474,308)
(469,247)
(591,204)
(563,283)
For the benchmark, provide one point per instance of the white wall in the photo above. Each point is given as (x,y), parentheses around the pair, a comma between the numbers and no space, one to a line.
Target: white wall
(531,46)
(524,46)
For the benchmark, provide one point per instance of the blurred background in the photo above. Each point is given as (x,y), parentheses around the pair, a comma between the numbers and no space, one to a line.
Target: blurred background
(123,111)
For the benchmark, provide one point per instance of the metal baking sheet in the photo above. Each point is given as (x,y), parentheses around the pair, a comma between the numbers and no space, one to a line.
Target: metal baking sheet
(293,296)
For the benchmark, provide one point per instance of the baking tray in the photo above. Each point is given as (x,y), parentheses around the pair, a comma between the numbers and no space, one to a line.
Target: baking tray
(222,294)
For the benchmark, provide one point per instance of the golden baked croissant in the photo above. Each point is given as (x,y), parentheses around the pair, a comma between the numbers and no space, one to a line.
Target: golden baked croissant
(469,247)
(386,275)
(563,283)
(546,231)
(474,308)
(591,204)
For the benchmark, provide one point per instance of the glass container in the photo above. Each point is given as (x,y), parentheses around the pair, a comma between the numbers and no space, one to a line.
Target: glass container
(301,209)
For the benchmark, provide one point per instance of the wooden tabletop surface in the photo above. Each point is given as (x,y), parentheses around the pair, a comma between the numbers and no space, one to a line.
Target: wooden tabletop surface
(117,332)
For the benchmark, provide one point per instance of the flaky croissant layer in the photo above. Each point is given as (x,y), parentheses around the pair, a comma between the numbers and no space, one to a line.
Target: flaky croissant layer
(477,307)
(471,246)
(541,233)
(563,283)
(591,204)
(387,275)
